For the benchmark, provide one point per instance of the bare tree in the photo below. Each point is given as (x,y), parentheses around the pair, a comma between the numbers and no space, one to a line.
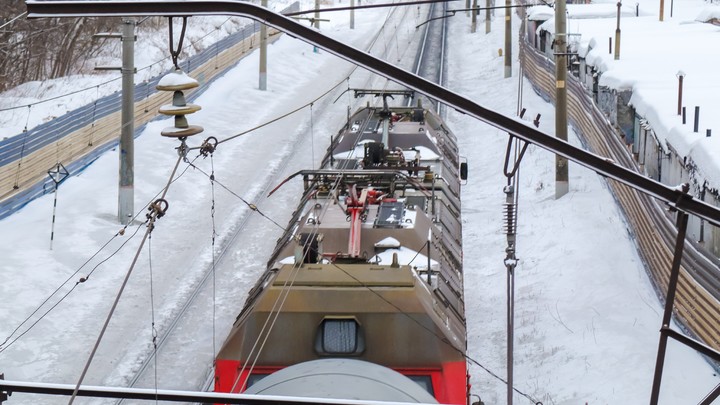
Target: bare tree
(44,48)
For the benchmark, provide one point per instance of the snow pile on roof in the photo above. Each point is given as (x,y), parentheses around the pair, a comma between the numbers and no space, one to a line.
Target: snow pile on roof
(652,53)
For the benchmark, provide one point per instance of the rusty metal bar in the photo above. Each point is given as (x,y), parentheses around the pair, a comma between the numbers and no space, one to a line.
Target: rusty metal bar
(694,344)
(712,396)
(149,394)
(669,301)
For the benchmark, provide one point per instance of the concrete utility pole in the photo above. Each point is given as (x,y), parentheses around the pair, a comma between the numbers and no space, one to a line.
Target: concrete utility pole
(487,16)
(662,9)
(475,11)
(561,163)
(508,38)
(126,194)
(352,14)
(263,52)
(317,14)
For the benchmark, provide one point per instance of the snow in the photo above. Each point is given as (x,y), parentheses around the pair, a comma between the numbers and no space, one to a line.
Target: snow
(388,242)
(406,257)
(587,318)
(652,53)
(179,80)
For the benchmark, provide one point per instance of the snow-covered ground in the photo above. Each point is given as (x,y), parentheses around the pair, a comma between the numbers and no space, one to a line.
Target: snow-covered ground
(587,317)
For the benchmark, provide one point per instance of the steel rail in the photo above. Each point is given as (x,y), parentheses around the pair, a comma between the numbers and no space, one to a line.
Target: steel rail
(599,164)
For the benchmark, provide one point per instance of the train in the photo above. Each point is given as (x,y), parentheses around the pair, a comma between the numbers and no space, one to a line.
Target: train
(362,297)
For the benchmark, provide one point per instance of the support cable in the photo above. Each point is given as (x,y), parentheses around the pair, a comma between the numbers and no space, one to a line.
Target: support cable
(435,334)
(157,210)
(308,104)
(5,345)
(279,303)
(22,149)
(92,126)
(153,330)
(214,235)
(250,205)
(312,137)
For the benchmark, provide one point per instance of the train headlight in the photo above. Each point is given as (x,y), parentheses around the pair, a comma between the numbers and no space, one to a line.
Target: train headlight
(339,336)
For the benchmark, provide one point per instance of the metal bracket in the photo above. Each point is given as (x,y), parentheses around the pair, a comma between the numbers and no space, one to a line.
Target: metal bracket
(4,394)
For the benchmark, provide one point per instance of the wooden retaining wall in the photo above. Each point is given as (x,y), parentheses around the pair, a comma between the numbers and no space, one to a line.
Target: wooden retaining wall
(26,177)
(695,308)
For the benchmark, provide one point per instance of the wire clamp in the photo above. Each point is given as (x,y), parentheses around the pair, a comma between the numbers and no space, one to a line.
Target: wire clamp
(208,146)
(157,209)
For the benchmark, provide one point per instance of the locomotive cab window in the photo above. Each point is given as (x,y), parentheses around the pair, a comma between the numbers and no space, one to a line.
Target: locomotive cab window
(425,381)
(339,337)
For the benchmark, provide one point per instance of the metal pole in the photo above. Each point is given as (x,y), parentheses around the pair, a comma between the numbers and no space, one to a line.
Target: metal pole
(669,301)
(617,33)
(680,88)
(561,163)
(510,263)
(508,39)
(52,228)
(510,330)
(263,52)
(126,193)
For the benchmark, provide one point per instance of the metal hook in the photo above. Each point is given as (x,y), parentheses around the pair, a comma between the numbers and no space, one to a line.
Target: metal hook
(173,52)
(516,164)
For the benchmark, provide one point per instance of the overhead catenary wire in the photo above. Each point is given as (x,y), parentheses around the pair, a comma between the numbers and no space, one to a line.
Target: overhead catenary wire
(213,236)
(354,68)
(430,331)
(279,303)
(190,45)
(153,330)
(5,345)
(249,204)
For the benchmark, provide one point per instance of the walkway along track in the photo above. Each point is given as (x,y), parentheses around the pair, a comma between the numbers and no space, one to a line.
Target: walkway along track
(696,304)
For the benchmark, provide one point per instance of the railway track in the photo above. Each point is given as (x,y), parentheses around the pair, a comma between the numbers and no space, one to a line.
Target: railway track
(696,305)
(230,242)
(430,61)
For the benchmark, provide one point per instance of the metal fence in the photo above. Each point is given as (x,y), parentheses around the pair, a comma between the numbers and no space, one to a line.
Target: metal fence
(18,187)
